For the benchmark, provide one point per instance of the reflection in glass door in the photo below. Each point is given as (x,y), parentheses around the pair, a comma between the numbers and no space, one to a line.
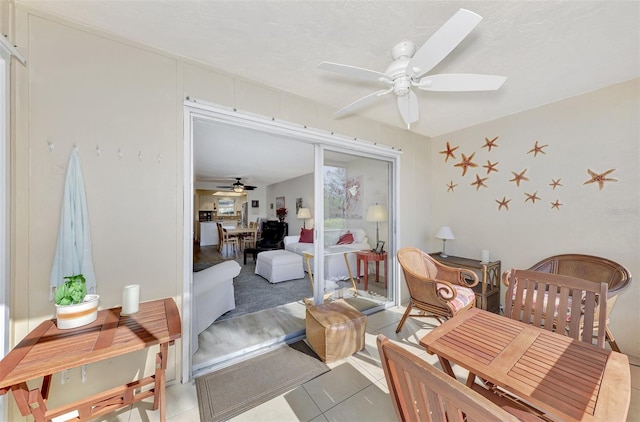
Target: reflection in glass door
(356,228)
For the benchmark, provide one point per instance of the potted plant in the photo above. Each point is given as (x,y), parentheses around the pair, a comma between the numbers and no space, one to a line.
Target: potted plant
(281,213)
(74,307)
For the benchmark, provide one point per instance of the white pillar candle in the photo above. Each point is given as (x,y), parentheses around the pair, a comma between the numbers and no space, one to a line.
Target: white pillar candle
(485,256)
(130,299)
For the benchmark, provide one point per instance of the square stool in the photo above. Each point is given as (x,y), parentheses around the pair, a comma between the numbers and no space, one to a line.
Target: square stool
(335,330)
(279,265)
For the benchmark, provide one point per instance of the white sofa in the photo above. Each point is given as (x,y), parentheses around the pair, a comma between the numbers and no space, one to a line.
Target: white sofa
(213,296)
(334,265)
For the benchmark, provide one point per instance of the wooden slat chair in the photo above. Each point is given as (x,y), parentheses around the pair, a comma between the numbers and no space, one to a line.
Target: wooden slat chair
(594,268)
(436,291)
(226,240)
(420,392)
(566,305)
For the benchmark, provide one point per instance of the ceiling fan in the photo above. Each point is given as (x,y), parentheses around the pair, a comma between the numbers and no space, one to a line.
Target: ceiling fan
(238,186)
(408,67)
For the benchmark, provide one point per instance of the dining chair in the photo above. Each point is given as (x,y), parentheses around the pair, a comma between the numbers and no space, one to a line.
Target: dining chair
(227,241)
(589,267)
(420,392)
(559,303)
(250,239)
(436,290)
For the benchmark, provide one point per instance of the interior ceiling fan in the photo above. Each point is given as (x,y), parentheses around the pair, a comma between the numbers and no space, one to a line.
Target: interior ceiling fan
(408,67)
(238,186)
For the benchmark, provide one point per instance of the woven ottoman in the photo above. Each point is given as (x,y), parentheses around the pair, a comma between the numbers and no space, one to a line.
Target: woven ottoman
(279,265)
(335,330)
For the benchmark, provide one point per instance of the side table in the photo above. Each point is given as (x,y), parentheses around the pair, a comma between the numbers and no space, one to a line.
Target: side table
(47,350)
(365,257)
(488,289)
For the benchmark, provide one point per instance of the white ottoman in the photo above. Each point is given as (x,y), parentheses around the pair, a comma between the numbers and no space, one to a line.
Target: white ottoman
(279,265)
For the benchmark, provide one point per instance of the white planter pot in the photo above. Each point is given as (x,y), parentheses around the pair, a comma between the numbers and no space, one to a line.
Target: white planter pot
(72,316)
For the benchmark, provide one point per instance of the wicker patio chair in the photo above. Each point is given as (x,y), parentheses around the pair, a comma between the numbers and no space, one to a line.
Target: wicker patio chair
(436,290)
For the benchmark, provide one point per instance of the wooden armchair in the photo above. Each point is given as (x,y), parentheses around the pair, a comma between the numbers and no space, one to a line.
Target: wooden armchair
(420,392)
(593,268)
(437,291)
(566,305)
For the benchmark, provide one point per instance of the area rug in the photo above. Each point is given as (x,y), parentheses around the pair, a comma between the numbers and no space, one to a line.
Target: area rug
(233,390)
(253,293)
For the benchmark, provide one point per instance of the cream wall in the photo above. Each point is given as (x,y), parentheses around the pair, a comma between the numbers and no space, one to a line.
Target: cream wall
(298,187)
(597,131)
(107,95)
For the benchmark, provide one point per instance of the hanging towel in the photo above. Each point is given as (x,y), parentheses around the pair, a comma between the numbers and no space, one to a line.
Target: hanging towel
(73,249)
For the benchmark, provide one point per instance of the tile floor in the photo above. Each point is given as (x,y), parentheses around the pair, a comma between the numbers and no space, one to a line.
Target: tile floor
(354,390)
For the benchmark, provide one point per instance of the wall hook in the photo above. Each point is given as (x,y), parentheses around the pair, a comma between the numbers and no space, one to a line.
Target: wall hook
(98,150)
(51,146)
(140,155)
(159,158)
(120,152)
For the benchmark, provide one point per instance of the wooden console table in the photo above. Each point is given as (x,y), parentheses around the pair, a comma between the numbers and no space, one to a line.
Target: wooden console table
(47,350)
(488,289)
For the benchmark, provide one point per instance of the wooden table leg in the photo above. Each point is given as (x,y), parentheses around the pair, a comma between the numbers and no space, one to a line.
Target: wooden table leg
(386,271)
(446,366)
(353,283)
(29,402)
(159,389)
(366,273)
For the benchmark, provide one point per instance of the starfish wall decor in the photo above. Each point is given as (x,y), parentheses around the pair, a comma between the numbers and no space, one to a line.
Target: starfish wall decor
(466,162)
(449,152)
(600,178)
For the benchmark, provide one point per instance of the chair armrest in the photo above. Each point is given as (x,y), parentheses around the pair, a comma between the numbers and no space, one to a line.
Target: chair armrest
(460,276)
(445,290)
(468,278)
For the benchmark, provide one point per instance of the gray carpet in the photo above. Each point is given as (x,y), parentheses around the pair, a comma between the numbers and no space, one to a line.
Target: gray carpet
(253,293)
(233,390)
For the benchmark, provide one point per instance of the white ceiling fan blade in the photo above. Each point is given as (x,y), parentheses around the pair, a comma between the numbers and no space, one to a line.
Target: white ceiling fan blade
(440,44)
(353,71)
(361,103)
(461,82)
(408,107)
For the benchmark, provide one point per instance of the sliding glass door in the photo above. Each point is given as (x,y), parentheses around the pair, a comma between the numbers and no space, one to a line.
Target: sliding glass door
(356,194)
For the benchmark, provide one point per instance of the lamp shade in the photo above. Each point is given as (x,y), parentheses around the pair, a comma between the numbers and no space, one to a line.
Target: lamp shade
(304,213)
(445,233)
(376,213)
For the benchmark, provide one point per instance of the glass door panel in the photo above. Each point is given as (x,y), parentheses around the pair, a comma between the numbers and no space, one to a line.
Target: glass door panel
(356,227)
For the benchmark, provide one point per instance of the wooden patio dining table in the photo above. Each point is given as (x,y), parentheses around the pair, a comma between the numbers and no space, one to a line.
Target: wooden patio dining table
(564,378)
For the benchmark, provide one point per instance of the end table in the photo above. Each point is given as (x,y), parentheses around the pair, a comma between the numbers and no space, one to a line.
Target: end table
(367,256)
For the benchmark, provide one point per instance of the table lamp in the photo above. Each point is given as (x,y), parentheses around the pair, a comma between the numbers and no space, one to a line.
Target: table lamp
(445,234)
(304,213)
(377,213)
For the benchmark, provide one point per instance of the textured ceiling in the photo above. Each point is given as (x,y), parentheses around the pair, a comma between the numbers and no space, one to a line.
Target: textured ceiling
(549,50)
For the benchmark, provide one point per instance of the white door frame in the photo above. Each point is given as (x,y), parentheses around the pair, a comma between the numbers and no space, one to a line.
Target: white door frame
(197,109)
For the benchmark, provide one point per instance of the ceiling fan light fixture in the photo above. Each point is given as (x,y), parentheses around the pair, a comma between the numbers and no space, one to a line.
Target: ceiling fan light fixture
(238,188)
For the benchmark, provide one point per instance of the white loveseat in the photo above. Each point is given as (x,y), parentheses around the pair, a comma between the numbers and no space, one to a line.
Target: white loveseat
(213,295)
(334,265)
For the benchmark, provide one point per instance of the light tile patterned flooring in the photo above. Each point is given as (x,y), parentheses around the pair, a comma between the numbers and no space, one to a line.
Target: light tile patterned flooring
(354,389)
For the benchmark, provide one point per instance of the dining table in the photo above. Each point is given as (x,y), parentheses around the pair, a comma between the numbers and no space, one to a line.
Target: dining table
(240,232)
(558,376)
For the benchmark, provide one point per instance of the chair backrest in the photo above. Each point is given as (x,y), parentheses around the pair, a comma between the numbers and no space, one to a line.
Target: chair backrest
(419,271)
(566,305)
(587,267)
(273,233)
(420,392)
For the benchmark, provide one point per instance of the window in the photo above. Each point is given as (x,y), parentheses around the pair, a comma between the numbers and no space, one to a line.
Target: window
(226,207)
